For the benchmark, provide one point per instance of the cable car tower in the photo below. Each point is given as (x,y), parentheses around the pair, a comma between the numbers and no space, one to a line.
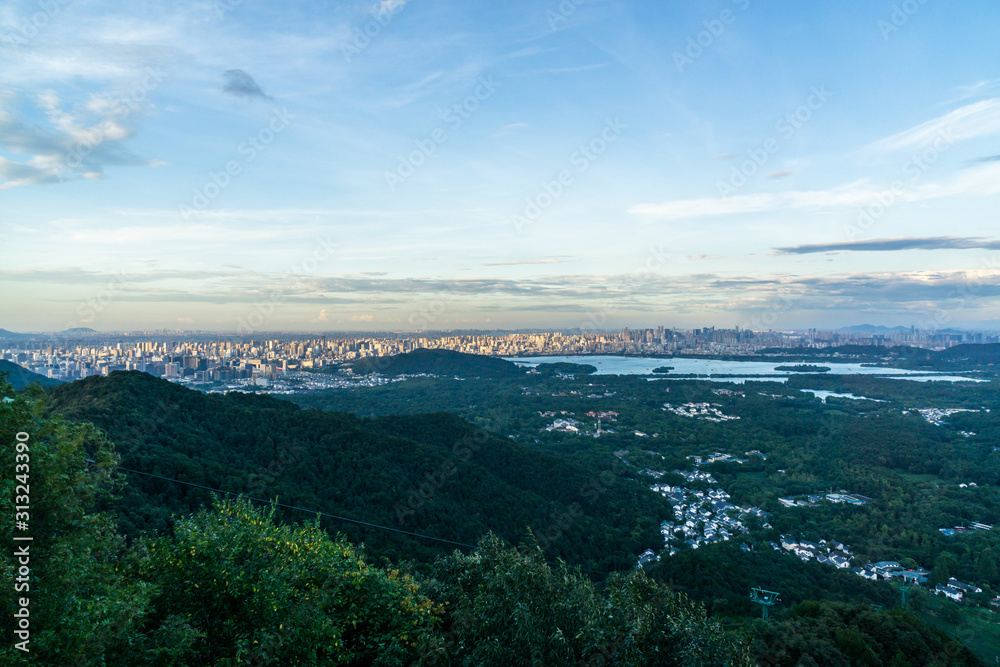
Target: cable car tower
(764,598)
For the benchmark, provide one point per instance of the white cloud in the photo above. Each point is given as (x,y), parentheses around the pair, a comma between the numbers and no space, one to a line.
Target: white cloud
(981,181)
(968,122)
(76,142)
(13,174)
(389,6)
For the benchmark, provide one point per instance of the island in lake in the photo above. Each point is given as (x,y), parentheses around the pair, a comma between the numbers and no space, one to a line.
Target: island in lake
(803,368)
(566,368)
(663,369)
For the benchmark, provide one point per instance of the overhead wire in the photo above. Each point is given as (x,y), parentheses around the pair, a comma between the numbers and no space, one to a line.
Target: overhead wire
(317,512)
(302,509)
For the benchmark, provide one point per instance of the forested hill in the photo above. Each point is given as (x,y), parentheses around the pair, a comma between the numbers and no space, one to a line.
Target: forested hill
(433,474)
(21,377)
(958,357)
(437,362)
(986,354)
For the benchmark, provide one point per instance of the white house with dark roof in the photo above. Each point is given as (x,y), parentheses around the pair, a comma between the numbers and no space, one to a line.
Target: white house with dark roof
(948,592)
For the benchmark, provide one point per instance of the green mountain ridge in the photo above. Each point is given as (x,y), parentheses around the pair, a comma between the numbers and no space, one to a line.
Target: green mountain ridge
(966,354)
(20,377)
(437,362)
(464,481)
(433,474)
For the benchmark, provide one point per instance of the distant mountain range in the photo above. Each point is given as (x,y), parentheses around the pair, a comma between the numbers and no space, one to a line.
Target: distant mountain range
(21,377)
(879,329)
(13,335)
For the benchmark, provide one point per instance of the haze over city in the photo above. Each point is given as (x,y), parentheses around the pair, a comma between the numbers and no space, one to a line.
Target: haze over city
(403,164)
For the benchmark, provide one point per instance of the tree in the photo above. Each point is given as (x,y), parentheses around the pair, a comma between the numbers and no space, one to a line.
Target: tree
(237,587)
(852,643)
(986,565)
(508,606)
(943,567)
(79,601)
(900,660)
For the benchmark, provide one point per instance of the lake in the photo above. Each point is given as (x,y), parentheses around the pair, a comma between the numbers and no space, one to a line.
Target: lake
(614,365)
(823,395)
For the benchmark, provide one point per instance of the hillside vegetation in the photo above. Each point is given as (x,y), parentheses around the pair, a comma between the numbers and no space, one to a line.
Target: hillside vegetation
(20,377)
(437,362)
(232,584)
(427,473)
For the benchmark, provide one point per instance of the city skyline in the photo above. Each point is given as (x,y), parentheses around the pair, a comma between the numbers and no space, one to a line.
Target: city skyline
(400,165)
(289,361)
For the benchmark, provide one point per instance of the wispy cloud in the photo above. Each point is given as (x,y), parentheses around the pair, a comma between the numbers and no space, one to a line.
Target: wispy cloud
(551,260)
(578,68)
(984,181)
(891,245)
(896,291)
(389,6)
(13,174)
(508,129)
(78,141)
(967,122)
(978,89)
(241,84)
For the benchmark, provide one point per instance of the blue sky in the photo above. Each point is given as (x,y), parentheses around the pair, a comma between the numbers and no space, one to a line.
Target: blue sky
(411,164)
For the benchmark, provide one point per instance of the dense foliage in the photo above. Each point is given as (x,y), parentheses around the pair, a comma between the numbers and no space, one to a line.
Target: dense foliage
(20,377)
(432,473)
(440,362)
(79,602)
(232,585)
(497,464)
(920,476)
(509,607)
(957,357)
(565,367)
